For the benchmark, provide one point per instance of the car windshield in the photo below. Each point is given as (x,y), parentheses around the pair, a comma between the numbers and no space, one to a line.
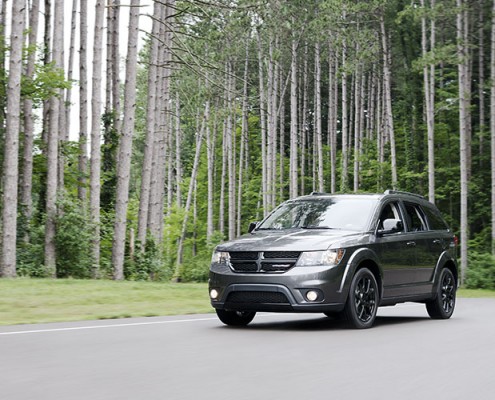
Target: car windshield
(344,213)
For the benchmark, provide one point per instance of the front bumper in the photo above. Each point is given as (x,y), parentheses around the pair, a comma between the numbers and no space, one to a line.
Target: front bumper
(281,292)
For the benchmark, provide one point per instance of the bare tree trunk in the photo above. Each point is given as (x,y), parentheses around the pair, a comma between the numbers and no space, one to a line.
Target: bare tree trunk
(389,122)
(430,104)
(231,152)
(124,159)
(178,152)
(70,67)
(264,168)
(345,156)
(27,165)
(210,153)
(83,102)
(52,149)
(318,128)
(244,140)
(303,119)
(95,162)
(463,122)
(332,119)
(293,180)
(481,79)
(492,121)
(151,111)
(11,170)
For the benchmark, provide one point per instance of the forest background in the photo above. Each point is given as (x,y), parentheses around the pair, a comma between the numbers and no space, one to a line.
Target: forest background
(230,108)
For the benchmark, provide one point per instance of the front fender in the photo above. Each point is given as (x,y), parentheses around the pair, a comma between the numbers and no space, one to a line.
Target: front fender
(357,258)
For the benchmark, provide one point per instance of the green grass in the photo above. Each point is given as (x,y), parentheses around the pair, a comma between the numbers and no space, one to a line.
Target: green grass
(471,293)
(29,301)
(25,301)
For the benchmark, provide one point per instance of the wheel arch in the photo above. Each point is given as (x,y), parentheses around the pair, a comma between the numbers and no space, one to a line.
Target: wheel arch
(362,258)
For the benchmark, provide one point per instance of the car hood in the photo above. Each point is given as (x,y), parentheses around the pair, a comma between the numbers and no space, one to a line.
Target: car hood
(293,240)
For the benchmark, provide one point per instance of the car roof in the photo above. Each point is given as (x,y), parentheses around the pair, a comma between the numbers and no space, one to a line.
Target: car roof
(377,196)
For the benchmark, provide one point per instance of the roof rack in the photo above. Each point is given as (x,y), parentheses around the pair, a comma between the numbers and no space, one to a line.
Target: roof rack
(318,193)
(388,191)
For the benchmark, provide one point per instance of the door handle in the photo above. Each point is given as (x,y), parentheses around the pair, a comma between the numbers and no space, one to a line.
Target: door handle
(411,244)
(437,241)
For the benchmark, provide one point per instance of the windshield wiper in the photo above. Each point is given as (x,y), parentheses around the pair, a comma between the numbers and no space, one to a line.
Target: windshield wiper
(315,227)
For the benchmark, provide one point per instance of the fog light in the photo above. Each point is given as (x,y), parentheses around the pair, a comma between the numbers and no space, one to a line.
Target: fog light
(311,295)
(214,294)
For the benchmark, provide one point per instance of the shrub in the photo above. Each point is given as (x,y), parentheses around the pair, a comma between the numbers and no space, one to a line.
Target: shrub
(481,271)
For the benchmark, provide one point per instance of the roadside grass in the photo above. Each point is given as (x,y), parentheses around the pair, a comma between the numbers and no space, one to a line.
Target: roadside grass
(31,301)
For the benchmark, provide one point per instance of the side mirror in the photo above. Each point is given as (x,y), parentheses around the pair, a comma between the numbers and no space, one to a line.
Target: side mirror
(252,226)
(391,226)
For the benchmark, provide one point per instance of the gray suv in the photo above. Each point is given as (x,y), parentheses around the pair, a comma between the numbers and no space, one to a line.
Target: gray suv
(341,255)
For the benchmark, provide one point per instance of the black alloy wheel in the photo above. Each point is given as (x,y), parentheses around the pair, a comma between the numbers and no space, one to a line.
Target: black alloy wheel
(362,302)
(442,306)
(235,318)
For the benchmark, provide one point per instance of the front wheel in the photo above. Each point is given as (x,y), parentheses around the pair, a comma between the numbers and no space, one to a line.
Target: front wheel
(235,318)
(442,306)
(362,302)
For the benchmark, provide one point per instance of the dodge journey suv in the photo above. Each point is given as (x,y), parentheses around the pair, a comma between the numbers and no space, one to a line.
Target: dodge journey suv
(341,255)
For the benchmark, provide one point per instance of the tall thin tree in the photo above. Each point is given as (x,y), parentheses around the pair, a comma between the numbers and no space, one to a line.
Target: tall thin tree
(124,157)
(11,170)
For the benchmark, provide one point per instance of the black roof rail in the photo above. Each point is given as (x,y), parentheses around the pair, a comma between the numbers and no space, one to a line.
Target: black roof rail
(388,191)
(318,193)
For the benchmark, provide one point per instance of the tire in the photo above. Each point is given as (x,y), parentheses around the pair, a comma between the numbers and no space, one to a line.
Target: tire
(362,302)
(235,318)
(442,306)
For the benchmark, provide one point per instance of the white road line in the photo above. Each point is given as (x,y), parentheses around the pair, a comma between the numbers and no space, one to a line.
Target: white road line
(79,328)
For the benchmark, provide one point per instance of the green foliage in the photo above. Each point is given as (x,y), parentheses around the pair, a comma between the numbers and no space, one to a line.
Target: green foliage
(73,240)
(481,271)
(47,82)
(30,254)
(109,161)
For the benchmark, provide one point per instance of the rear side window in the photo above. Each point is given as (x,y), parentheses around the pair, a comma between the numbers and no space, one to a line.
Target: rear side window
(415,218)
(435,221)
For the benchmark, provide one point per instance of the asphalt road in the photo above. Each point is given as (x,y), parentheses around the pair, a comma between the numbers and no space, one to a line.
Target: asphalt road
(279,356)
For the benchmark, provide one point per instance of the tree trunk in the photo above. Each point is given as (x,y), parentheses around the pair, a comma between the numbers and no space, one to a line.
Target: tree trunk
(83,102)
(463,130)
(264,167)
(52,149)
(293,182)
(151,111)
(319,133)
(95,161)
(344,185)
(125,149)
(11,146)
(389,122)
(492,122)
(27,167)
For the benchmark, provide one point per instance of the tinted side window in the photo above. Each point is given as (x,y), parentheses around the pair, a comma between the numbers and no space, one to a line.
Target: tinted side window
(435,221)
(389,211)
(414,217)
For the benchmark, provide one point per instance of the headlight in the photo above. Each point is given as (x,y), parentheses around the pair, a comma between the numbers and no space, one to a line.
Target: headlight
(327,257)
(220,257)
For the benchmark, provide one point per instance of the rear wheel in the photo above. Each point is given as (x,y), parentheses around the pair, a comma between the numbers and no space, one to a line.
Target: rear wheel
(362,302)
(235,318)
(442,306)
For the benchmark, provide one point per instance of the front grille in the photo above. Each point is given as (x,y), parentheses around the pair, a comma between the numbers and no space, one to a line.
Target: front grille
(282,254)
(244,255)
(244,266)
(257,297)
(263,262)
(276,267)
